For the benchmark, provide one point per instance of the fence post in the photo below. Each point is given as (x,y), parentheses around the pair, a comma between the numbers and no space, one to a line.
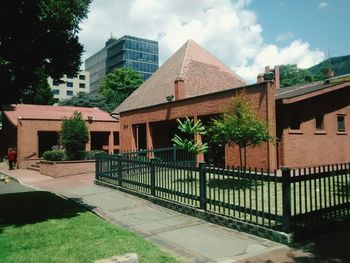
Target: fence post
(120,171)
(202,186)
(97,166)
(153,177)
(286,200)
(174,153)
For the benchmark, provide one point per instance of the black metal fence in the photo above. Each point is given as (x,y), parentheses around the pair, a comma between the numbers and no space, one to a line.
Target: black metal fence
(287,200)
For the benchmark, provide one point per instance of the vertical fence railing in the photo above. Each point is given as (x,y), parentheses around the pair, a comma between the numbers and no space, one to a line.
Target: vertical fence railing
(286,201)
(320,194)
(245,194)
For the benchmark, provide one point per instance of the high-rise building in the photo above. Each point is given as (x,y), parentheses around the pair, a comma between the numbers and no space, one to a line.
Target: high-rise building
(68,86)
(131,52)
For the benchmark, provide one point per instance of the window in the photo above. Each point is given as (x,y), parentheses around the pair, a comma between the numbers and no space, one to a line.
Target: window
(82,77)
(55,83)
(295,122)
(56,92)
(69,77)
(319,119)
(69,84)
(82,85)
(341,123)
(69,92)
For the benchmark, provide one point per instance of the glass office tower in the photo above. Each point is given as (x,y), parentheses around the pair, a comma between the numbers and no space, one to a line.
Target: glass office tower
(136,53)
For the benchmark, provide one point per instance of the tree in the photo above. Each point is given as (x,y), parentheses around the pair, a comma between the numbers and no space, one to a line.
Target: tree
(88,100)
(117,86)
(39,35)
(239,125)
(41,93)
(73,136)
(321,74)
(191,128)
(291,75)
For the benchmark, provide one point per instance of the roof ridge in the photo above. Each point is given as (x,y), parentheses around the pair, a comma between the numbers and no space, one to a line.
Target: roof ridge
(185,58)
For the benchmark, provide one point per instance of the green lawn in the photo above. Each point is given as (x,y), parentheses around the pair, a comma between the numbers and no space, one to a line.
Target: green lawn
(42,227)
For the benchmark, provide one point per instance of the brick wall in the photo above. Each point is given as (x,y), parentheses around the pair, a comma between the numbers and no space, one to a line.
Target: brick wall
(27,134)
(261,94)
(309,147)
(59,169)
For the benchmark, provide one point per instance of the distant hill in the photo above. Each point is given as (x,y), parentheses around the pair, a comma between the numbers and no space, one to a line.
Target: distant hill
(340,65)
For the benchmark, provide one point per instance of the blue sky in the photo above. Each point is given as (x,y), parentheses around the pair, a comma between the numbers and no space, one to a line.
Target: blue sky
(246,35)
(324,24)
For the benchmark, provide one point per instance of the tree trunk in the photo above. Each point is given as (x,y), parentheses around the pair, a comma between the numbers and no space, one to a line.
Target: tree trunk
(240,156)
(245,157)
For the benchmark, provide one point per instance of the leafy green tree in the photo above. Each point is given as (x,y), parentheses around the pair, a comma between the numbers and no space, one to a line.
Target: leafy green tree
(321,74)
(239,125)
(73,136)
(89,100)
(38,35)
(291,75)
(191,128)
(117,86)
(42,93)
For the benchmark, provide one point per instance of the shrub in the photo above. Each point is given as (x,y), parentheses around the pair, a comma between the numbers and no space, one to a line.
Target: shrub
(73,136)
(54,155)
(91,154)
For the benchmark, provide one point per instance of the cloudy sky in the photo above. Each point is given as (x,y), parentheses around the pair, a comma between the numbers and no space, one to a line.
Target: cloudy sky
(246,35)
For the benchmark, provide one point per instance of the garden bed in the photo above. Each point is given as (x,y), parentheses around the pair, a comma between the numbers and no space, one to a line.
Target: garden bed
(65,168)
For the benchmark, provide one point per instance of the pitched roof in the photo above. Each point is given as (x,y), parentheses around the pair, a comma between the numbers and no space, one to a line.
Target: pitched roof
(45,112)
(299,92)
(202,74)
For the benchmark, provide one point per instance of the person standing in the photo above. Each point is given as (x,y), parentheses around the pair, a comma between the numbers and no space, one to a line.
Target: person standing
(14,158)
(10,158)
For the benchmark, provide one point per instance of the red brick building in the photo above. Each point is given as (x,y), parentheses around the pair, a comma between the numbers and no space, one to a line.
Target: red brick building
(313,123)
(33,129)
(191,83)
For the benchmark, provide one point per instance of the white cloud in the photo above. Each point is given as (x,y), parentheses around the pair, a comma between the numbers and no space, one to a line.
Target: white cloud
(227,29)
(285,36)
(298,52)
(322,4)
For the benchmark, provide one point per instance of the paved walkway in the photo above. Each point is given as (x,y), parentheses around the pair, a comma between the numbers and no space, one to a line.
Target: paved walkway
(189,238)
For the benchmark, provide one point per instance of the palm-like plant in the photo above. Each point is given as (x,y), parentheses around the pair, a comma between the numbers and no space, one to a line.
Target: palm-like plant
(192,128)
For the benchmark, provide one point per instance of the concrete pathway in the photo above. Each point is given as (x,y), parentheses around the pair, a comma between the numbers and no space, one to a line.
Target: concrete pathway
(189,238)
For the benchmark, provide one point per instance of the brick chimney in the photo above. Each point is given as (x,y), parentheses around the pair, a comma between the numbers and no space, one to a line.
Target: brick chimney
(260,78)
(277,77)
(179,88)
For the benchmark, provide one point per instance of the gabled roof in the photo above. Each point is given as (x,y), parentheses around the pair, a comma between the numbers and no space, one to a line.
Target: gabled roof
(45,112)
(301,92)
(202,74)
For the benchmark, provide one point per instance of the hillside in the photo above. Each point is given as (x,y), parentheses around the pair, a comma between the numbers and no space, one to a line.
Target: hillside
(340,65)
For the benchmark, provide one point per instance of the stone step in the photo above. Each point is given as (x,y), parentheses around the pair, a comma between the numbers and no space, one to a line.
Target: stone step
(34,168)
(35,165)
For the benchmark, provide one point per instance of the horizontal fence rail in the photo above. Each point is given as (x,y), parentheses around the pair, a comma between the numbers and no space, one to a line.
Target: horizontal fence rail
(286,200)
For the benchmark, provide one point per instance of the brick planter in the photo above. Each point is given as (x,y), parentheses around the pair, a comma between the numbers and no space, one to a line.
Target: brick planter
(65,168)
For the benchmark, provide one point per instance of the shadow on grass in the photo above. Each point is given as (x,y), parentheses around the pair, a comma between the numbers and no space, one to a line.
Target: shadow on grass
(326,245)
(233,183)
(33,207)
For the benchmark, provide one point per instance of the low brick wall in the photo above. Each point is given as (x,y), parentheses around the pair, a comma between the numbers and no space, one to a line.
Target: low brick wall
(65,168)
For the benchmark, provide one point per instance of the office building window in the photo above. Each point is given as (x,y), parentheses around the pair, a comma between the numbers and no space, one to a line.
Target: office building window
(82,85)
(56,92)
(319,119)
(295,122)
(69,84)
(69,92)
(341,123)
(82,77)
